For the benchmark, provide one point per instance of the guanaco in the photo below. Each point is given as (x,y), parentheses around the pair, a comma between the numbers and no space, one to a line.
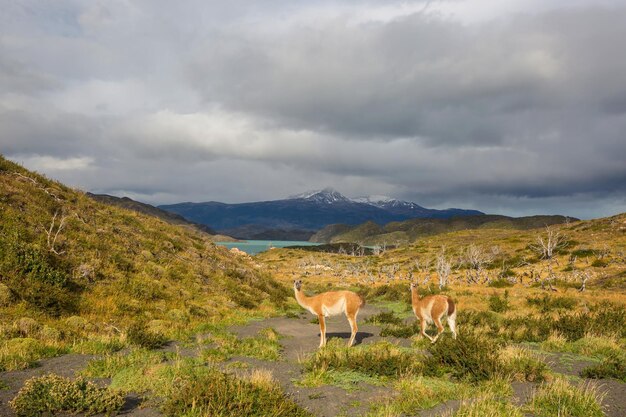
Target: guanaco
(431,309)
(328,304)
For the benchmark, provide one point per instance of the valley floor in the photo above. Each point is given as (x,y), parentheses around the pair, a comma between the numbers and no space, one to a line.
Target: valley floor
(299,338)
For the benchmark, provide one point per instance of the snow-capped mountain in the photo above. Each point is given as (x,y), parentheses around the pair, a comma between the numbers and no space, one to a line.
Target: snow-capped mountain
(386,202)
(327,196)
(373,199)
(308,211)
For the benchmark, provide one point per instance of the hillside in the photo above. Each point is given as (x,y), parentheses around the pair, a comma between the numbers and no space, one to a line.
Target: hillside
(149,210)
(494,250)
(64,254)
(300,214)
(394,233)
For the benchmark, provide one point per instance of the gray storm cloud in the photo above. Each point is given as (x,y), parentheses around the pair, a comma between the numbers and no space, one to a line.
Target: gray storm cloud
(434,102)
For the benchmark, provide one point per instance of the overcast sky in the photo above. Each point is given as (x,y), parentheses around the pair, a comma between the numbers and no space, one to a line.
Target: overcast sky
(512,107)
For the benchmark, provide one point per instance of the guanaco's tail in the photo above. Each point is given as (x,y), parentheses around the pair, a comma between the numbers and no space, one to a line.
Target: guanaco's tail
(451,307)
(362,300)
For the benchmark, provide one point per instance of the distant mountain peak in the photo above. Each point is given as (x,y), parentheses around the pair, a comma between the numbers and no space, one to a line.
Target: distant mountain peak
(369,199)
(327,195)
(383,201)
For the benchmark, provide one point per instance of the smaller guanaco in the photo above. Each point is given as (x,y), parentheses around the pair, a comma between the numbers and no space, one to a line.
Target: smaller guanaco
(431,309)
(328,304)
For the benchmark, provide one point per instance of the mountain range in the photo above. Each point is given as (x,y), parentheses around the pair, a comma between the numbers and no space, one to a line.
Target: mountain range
(300,216)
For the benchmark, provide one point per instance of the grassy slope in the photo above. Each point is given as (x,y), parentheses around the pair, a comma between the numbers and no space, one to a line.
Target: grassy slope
(148,209)
(113,266)
(598,246)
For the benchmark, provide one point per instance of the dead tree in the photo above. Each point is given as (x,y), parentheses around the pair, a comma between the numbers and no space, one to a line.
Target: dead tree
(584,276)
(547,245)
(475,259)
(49,191)
(53,231)
(444,267)
(550,277)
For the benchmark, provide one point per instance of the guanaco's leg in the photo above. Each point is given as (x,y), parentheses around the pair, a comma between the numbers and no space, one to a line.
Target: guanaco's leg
(423,327)
(452,324)
(353,327)
(437,321)
(322,321)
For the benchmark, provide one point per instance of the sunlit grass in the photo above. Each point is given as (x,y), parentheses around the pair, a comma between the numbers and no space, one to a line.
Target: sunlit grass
(22,353)
(264,346)
(560,398)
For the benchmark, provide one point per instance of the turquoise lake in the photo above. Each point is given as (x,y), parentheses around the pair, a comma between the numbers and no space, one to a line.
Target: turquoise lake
(253,247)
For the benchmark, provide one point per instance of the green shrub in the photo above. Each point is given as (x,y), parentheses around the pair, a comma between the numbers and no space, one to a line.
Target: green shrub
(387,292)
(583,253)
(472,318)
(527,328)
(604,319)
(385,317)
(608,319)
(401,330)
(471,356)
(502,282)
(499,304)
(242,296)
(5,295)
(277,292)
(139,335)
(52,394)
(612,366)
(378,359)
(572,326)
(214,393)
(548,303)
(600,263)
(37,277)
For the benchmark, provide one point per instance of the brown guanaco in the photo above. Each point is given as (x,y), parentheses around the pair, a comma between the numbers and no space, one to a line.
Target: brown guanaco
(431,309)
(328,304)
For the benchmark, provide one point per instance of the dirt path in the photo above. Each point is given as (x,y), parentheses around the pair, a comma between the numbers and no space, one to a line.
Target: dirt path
(301,337)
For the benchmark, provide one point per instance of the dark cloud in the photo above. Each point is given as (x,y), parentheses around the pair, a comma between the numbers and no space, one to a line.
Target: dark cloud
(444,104)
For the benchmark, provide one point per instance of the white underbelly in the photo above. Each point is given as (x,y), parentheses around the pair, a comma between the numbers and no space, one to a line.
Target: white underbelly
(334,309)
(426,316)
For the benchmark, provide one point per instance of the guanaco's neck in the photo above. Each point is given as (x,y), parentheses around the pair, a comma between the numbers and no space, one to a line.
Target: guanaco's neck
(300,297)
(415,297)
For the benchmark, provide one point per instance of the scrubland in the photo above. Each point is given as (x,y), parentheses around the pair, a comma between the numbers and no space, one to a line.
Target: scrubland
(165,322)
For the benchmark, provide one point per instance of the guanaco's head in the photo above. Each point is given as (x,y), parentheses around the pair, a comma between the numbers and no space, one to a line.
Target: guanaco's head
(412,286)
(297,284)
